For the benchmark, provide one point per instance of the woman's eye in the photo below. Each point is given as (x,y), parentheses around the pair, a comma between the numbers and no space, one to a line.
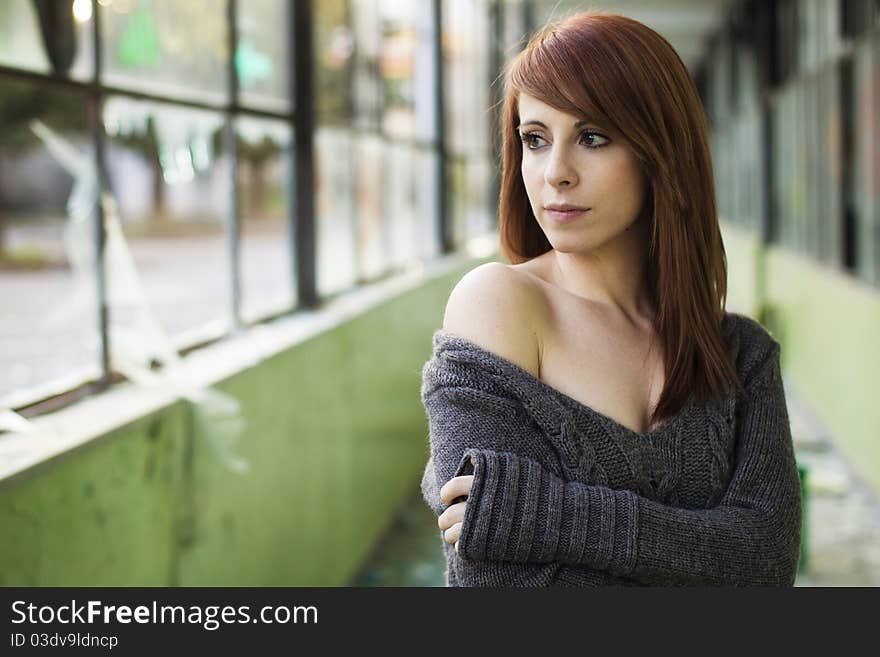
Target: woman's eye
(531,140)
(594,139)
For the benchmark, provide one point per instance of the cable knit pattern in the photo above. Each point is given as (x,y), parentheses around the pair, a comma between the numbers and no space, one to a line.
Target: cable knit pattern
(566,496)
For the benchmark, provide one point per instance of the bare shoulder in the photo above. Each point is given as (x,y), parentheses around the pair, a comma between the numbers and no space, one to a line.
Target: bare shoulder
(498,308)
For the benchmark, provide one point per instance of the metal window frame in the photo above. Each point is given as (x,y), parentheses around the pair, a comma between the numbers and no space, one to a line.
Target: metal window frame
(301,118)
(96,92)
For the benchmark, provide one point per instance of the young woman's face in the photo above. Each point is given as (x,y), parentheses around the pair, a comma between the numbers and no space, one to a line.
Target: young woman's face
(584,182)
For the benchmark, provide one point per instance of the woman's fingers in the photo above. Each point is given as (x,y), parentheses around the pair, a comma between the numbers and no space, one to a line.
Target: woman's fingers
(452,515)
(452,534)
(455,487)
(450,520)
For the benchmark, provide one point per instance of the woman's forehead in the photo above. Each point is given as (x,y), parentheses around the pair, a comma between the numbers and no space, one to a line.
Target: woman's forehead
(533,110)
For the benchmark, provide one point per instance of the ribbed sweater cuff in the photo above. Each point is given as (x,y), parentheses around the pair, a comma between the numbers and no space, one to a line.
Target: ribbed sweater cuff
(519,511)
(601,526)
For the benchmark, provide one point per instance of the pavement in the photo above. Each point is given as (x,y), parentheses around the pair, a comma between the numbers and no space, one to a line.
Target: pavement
(51,331)
(842,511)
(842,522)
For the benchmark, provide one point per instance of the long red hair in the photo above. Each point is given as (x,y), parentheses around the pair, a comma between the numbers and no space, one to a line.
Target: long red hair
(618,71)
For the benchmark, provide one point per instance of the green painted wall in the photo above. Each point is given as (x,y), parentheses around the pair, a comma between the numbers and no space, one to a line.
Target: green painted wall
(105,516)
(336,439)
(829,326)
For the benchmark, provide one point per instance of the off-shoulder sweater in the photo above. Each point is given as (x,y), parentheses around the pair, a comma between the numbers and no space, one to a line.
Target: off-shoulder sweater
(565,496)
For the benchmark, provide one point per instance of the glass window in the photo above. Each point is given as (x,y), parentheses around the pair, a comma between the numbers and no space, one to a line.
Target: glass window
(751,173)
(809,43)
(866,151)
(811,136)
(514,31)
(48,322)
(786,35)
(372,234)
(791,189)
(400,202)
(397,67)
(456,198)
(169,251)
(68,28)
(455,70)
(172,185)
(829,166)
(151,45)
(733,182)
(263,54)
(265,151)
(342,82)
(855,17)
(479,175)
(720,81)
(427,198)
(334,50)
(367,53)
(425,75)
(781,153)
(722,175)
(746,91)
(803,143)
(334,210)
(468,117)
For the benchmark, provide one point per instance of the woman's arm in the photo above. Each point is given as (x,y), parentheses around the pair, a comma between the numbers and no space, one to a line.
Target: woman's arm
(471,572)
(519,511)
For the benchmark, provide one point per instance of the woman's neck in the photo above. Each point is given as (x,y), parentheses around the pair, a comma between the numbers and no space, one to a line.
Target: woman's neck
(613,276)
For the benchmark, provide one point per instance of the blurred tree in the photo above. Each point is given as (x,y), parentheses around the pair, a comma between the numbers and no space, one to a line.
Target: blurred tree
(334,43)
(58,29)
(147,145)
(21,103)
(256,156)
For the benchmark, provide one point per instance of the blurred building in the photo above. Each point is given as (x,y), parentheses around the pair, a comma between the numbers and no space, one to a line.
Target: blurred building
(292,189)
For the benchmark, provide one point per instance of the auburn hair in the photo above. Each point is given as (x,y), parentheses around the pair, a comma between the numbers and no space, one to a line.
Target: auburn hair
(617,71)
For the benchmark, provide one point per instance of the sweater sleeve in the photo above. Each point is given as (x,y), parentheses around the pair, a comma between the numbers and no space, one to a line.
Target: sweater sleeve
(467,409)
(519,511)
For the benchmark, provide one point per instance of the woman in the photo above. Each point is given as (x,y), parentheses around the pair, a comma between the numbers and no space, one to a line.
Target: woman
(596,417)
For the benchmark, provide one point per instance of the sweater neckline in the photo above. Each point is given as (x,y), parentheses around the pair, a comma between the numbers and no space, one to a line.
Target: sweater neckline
(532,384)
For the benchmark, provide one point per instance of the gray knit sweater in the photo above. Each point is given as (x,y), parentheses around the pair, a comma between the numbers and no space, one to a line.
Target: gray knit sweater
(565,496)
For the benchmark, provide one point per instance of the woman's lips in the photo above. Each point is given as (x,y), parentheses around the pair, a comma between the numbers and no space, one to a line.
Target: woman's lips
(563,216)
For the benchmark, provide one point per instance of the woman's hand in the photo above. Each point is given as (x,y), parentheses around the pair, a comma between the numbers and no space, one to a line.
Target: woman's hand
(450,520)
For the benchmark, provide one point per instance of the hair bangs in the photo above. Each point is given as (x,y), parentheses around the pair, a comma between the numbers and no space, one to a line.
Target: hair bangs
(545,72)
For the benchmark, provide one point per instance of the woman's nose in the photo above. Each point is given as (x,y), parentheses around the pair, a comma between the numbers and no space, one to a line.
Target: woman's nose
(560,171)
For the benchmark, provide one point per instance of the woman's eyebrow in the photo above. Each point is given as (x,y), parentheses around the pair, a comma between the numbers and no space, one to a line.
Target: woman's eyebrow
(579,124)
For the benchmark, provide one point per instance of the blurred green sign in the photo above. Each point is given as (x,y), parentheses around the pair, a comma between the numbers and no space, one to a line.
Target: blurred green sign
(139,43)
